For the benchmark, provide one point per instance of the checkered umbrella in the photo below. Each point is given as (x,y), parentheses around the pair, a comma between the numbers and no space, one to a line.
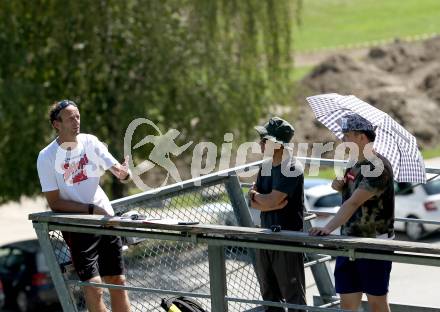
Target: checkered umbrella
(392,141)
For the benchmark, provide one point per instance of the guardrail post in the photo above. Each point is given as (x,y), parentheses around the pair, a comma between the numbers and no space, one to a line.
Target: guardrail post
(321,272)
(217,278)
(64,296)
(241,209)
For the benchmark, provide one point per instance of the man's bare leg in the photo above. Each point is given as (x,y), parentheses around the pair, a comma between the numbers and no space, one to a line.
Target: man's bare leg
(351,301)
(93,296)
(118,297)
(378,303)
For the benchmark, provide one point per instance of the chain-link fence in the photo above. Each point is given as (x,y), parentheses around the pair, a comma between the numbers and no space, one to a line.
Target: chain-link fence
(205,261)
(176,265)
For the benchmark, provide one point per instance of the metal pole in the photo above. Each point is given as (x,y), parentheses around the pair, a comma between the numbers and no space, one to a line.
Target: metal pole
(241,209)
(321,271)
(217,282)
(64,296)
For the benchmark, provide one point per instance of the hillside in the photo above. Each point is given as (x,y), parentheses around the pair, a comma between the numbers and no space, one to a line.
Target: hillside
(402,79)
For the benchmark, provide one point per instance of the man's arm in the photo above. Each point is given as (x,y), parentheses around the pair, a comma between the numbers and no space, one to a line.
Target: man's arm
(267,202)
(120,171)
(260,207)
(57,204)
(345,212)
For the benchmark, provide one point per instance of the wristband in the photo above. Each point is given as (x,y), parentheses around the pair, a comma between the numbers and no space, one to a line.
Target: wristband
(91,208)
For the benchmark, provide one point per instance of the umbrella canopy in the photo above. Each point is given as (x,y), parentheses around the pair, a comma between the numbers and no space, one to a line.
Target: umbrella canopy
(392,141)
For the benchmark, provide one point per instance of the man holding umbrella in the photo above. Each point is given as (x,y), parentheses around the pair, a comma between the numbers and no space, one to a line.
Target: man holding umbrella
(367,211)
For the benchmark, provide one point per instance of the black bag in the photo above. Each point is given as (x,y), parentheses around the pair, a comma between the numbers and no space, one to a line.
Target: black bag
(181,304)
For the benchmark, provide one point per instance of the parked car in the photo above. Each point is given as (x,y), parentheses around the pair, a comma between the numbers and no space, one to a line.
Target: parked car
(2,295)
(324,202)
(27,285)
(311,182)
(418,202)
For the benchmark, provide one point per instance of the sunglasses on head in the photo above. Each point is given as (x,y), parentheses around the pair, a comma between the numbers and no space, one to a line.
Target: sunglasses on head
(60,106)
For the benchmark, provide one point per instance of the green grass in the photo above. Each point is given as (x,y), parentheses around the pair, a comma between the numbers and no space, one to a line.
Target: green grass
(301,72)
(332,23)
(324,173)
(431,153)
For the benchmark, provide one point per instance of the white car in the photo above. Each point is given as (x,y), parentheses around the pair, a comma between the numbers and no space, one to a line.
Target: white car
(419,202)
(324,202)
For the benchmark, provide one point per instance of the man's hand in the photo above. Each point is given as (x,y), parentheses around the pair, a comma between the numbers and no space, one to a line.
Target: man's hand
(252,192)
(319,231)
(121,171)
(338,185)
(124,171)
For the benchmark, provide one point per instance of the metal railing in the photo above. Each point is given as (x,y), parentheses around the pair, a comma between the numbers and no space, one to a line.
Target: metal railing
(210,261)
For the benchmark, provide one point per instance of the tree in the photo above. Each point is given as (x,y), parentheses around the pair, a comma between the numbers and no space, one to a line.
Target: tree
(185,64)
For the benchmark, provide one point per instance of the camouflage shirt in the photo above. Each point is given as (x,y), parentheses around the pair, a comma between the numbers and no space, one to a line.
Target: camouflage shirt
(375,217)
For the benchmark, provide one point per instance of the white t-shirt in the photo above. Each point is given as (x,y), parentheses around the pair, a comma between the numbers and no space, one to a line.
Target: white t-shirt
(76,172)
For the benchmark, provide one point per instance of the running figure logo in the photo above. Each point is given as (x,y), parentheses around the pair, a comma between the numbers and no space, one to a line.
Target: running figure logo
(164,145)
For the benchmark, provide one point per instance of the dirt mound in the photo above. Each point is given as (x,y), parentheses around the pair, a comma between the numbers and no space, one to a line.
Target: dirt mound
(402,79)
(431,84)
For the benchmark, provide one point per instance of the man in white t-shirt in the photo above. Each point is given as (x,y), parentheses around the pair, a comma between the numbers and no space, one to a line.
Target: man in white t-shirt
(69,169)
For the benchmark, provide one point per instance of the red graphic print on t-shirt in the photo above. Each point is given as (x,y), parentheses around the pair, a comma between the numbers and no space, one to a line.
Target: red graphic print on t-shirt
(76,170)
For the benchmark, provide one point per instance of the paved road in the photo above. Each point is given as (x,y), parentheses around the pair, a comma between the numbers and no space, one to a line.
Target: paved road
(14,223)
(410,284)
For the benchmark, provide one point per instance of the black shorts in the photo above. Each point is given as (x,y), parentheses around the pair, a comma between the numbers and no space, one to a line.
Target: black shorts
(95,255)
(362,275)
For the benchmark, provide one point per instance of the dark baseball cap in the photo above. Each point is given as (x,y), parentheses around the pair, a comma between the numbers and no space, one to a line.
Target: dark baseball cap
(277,130)
(355,122)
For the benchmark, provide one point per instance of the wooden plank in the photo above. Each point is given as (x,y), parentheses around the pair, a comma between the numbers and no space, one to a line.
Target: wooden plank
(257,234)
